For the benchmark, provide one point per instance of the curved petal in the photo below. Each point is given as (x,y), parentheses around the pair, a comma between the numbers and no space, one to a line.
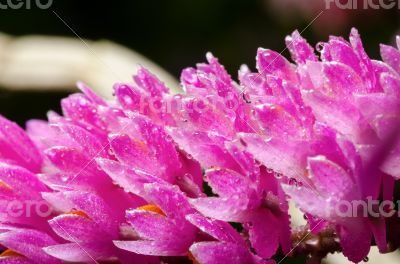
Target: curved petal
(153,248)
(355,239)
(227,183)
(80,252)
(221,253)
(300,50)
(29,243)
(231,210)
(264,233)
(219,230)
(78,228)
(16,145)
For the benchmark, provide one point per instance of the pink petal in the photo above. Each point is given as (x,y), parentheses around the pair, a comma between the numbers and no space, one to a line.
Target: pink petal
(355,239)
(341,115)
(391,56)
(153,226)
(230,210)
(227,183)
(16,145)
(153,248)
(79,107)
(131,180)
(271,62)
(95,207)
(219,230)
(300,50)
(378,227)
(82,252)
(134,153)
(77,228)
(21,179)
(285,157)
(149,83)
(330,179)
(29,243)
(129,97)
(341,81)
(90,94)
(221,253)
(202,148)
(390,84)
(340,51)
(309,201)
(170,199)
(264,234)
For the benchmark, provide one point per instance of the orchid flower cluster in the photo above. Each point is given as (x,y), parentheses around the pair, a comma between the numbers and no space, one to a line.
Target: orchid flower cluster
(206,176)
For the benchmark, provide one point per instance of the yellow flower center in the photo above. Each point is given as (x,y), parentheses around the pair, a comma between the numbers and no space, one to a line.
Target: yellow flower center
(192,258)
(79,213)
(151,208)
(10,253)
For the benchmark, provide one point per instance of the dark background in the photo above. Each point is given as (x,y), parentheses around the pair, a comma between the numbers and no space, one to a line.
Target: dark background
(177,33)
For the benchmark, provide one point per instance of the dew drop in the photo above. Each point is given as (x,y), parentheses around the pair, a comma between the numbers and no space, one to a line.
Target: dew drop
(278,175)
(292,182)
(246,98)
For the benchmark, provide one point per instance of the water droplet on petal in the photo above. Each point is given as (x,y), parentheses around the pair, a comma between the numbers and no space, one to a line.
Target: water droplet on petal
(292,182)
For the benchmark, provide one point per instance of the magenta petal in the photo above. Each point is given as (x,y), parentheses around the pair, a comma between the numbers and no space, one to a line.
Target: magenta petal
(271,62)
(152,226)
(391,56)
(341,115)
(130,179)
(285,157)
(134,153)
(264,234)
(300,50)
(278,121)
(227,183)
(309,201)
(374,105)
(153,248)
(82,139)
(77,228)
(340,51)
(96,208)
(201,147)
(79,252)
(355,239)
(15,145)
(90,94)
(129,97)
(340,80)
(330,179)
(29,243)
(171,200)
(149,83)
(18,179)
(219,230)
(231,210)
(15,260)
(390,84)
(378,227)
(221,253)
(79,107)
